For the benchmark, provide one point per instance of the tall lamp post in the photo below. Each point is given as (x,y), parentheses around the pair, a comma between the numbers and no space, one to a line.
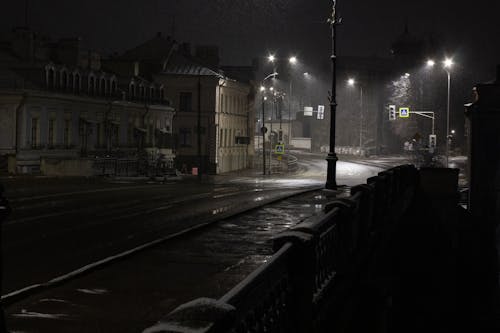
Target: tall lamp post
(351,82)
(332,159)
(447,64)
(262,90)
(292,61)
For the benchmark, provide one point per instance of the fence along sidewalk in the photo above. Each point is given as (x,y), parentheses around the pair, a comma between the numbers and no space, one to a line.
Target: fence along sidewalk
(307,283)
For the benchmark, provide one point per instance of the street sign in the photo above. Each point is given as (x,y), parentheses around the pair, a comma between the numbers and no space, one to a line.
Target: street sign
(308,111)
(321,112)
(280,149)
(404,112)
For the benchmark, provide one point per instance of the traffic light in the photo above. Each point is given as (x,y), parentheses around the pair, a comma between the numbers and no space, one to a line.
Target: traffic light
(432,140)
(392,112)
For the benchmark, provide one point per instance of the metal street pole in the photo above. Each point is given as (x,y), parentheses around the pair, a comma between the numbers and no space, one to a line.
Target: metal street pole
(271,139)
(448,120)
(264,122)
(263,138)
(361,119)
(290,111)
(332,159)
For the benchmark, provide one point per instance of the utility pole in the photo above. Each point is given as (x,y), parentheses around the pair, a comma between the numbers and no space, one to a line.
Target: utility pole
(332,159)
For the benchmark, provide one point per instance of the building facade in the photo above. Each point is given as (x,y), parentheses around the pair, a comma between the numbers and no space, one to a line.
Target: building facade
(59,106)
(214,123)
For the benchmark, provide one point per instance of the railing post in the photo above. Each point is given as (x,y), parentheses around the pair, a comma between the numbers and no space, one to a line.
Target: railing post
(302,275)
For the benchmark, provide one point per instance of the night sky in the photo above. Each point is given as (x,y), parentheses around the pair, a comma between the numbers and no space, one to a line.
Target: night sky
(250,28)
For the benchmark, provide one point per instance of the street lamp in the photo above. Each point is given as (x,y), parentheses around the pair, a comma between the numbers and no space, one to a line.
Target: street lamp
(264,98)
(332,159)
(292,61)
(351,82)
(447,64)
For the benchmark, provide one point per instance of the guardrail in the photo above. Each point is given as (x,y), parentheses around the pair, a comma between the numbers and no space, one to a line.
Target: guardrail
(130,167)
(307,283)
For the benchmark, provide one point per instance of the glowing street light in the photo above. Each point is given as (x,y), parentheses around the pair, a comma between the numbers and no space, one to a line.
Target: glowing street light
(292,60)
(271,58)
(352,82)
(264,98)
(447,64)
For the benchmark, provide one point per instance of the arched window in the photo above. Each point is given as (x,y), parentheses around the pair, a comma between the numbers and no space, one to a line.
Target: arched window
(50,76)
(64,80)
(113,87)
(151,93)
(162,94)
(131,90)
(141,91)
(102,87)
(91,85)
(77,83)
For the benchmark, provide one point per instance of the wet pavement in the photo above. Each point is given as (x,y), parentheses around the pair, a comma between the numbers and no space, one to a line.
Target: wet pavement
(132,294)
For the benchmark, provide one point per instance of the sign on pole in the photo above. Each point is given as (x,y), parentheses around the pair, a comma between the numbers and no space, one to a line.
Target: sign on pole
(404,112)
(308,111)
(280,149)
(321,112)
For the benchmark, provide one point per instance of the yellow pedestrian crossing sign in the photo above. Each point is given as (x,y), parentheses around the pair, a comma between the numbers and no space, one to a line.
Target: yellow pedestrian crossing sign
(404,112)
(280,149)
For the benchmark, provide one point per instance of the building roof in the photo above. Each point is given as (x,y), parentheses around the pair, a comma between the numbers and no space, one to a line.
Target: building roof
(178,64)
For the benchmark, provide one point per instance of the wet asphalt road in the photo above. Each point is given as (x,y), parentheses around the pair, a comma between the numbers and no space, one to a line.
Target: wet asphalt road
(133,294)
(59,226)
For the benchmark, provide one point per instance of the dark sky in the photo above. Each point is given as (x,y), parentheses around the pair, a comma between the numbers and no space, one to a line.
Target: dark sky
(249,28)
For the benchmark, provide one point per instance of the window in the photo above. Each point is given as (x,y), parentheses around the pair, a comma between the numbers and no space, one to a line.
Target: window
(130,134)
(185,137)
(99,134)
(131,90)
(34,132)
(77,83)
(162,97)
(91,87)
(102,87)
(67,132)
(51,136)
(113,87)
(185,102)
(64,80)
(141,91)
(51,77)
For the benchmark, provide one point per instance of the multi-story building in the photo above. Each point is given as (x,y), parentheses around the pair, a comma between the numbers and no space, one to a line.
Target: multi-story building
(60,106)
(214,123)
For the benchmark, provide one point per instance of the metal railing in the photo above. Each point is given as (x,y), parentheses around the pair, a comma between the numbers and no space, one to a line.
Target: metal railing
(310,277)
(131,167)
